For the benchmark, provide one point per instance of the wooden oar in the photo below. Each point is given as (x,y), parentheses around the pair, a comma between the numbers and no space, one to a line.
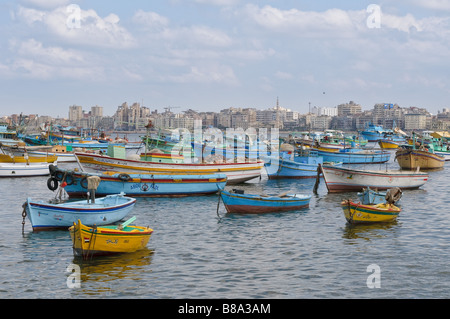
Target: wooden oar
(126,223)
(283,194)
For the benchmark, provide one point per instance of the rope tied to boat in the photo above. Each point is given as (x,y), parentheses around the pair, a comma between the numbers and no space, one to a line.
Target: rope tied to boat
(91,241)
(24,215)
(316,185)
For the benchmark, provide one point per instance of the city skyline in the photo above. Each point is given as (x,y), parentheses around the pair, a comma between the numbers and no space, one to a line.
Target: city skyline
(209,55)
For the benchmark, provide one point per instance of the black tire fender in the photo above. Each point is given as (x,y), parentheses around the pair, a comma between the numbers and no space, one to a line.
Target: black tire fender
(84,182)
(124,177)
(52,183)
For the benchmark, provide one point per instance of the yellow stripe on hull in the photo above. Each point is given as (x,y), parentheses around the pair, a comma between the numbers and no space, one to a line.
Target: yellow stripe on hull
(197,170)
(388,144)
(103,240)
(5,158)
(356,213)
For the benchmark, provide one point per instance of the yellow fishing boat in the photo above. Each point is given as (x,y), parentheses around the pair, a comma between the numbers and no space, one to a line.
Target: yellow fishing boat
(6,158)
(386,143)
(410,158)
(105,240)
(357,213)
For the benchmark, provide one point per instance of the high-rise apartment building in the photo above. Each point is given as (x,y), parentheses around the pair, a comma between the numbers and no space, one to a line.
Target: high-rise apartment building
(75,113)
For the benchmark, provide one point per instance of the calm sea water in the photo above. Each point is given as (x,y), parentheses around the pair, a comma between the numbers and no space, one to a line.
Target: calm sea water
(199,252)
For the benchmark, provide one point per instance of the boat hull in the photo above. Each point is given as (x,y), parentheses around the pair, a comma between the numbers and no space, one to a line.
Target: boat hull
(412,159)
(145,184)
(24,169)
(47,216)
(340,179)
(387,144)
(351,157)
(94,241)
(255,204)
(357,213)
(236,172)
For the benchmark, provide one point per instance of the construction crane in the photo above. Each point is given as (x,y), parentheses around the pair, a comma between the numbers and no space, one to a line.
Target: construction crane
(168,109)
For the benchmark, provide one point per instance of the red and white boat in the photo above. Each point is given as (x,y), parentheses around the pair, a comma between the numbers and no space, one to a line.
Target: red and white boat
(340,179)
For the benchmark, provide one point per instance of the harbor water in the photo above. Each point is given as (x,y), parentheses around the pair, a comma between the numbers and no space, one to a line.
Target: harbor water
(197,250)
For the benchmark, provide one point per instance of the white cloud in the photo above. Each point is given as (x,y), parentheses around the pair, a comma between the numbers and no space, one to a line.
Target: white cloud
(150,19)
(405,23)
(92,29)
(52,55)
(434,4)
(218,2)
(47,4)
(206,74)
(301,23)
(34,60)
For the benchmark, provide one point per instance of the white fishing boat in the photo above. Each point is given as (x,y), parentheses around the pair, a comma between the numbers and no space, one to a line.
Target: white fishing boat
(24,169)
(45,215)
(340,179)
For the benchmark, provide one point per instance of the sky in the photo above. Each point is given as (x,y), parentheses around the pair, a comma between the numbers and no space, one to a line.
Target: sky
(209,55)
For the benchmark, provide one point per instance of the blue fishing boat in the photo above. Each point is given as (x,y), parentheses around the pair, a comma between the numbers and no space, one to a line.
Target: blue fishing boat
(76,184)
(45,215)
(355,156)
(299,166)
(373,133)
(370,196)
(238,202)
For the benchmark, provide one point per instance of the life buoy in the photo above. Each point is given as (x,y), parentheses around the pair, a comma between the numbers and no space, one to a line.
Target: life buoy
(84,182)
(124,177)
(52,183)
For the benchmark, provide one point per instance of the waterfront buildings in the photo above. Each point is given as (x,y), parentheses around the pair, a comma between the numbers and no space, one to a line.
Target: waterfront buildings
(345,116)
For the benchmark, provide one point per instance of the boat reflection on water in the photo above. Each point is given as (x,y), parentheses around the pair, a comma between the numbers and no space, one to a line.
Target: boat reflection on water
(369,231)
(98,275)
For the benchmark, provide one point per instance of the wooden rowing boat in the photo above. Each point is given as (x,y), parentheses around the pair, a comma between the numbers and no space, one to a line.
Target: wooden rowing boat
(357,213)
(45,215)
(238,202)
(410,158)
(342,179)
(110,239)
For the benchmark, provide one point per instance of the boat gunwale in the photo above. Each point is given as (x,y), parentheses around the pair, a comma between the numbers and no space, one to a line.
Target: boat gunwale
(174,164)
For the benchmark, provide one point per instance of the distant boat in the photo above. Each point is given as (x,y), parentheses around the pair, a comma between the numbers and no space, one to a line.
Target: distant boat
(109,239)
(355,156)
(8,157)
(237,172)
(340,179)
(357,213)
(302,166)
(373,133)
(44,215)
(42,153)
(9,137)
(411,158)
(388,143)
(24,169)
(238,202)
(138,184)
